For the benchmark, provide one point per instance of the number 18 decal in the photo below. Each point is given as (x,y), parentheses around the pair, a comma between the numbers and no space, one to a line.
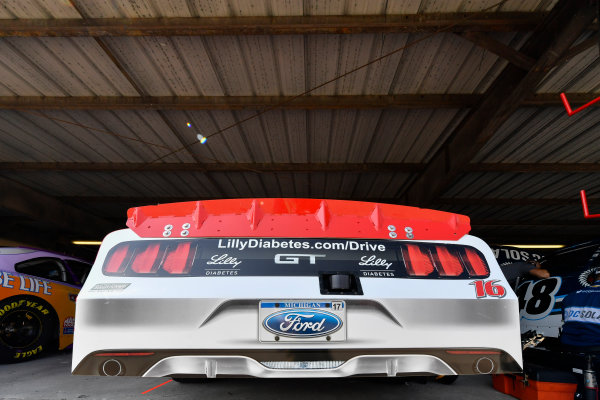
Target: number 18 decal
(537,299)
(488,289)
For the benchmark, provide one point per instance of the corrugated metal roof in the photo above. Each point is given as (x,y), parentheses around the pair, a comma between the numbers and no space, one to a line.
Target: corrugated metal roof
(59,67)
(248,65)
(285,65)
(545,135)
(541,185)
(334,136)
(44,139)
(579,74)
(197,185)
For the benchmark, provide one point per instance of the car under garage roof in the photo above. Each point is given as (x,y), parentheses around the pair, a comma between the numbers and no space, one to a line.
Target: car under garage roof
(452,105)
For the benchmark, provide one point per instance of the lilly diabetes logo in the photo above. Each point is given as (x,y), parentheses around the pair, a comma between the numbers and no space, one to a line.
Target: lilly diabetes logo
(302,323)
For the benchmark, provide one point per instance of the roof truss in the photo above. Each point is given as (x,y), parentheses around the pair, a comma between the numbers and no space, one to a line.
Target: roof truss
(563,26)
(266,25)
(404,101)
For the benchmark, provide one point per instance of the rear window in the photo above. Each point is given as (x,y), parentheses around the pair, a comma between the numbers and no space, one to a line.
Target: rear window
(294,257)
(44,267)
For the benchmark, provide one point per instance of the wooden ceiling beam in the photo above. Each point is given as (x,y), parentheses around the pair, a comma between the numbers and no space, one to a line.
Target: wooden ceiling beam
(563,26)
(404,101)
(553,99)
(267,25)
(511,202)
(212,167)
(131,201)
(579,48)
(289,167)
(238,102)
(441,204)
(508,53)
(533,167)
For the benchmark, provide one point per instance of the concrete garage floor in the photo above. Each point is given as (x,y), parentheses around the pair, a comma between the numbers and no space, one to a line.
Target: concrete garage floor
(50,378)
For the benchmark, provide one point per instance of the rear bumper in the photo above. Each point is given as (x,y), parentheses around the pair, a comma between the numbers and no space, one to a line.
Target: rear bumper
(433,334)
(211,367)
(297,364)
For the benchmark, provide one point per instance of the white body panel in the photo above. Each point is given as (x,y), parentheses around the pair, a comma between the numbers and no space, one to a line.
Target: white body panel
(221,313)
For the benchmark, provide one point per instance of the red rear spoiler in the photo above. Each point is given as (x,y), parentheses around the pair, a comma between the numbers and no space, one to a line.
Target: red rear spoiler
(295,218)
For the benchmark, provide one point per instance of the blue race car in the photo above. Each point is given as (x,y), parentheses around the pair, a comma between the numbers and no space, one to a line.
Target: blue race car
(540,301)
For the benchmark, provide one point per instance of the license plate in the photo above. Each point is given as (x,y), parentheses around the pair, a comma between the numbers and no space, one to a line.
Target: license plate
(302,321)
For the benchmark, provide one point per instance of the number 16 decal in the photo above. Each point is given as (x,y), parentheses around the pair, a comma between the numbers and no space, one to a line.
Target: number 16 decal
(488,289)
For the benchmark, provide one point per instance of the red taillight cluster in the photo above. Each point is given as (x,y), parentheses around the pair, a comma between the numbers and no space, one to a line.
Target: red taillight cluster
(146,258)
(177,258)
(445,261)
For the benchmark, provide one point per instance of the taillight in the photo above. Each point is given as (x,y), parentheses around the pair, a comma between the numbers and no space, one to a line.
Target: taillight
(476,265)
(448,263)
(116,260)
(417,260)
(151,258)
(443,261)
(177,259)
(145,261)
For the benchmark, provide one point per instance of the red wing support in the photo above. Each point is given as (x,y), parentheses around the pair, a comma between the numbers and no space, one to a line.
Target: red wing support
(586,211)
(570,112)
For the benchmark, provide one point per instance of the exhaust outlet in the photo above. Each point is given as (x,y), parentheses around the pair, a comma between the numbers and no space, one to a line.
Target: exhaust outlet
(484,365)
(112,368)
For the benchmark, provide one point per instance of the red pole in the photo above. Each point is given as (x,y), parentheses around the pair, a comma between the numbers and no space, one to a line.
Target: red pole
(586,211)
(563,97)
(570,112)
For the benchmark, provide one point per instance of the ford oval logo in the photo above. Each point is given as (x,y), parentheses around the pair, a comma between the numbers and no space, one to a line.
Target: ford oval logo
(302,323)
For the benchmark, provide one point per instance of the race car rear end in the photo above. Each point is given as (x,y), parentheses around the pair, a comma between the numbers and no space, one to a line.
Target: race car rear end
(295,288)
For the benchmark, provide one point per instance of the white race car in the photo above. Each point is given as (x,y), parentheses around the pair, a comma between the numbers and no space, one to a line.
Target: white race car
(288,288)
